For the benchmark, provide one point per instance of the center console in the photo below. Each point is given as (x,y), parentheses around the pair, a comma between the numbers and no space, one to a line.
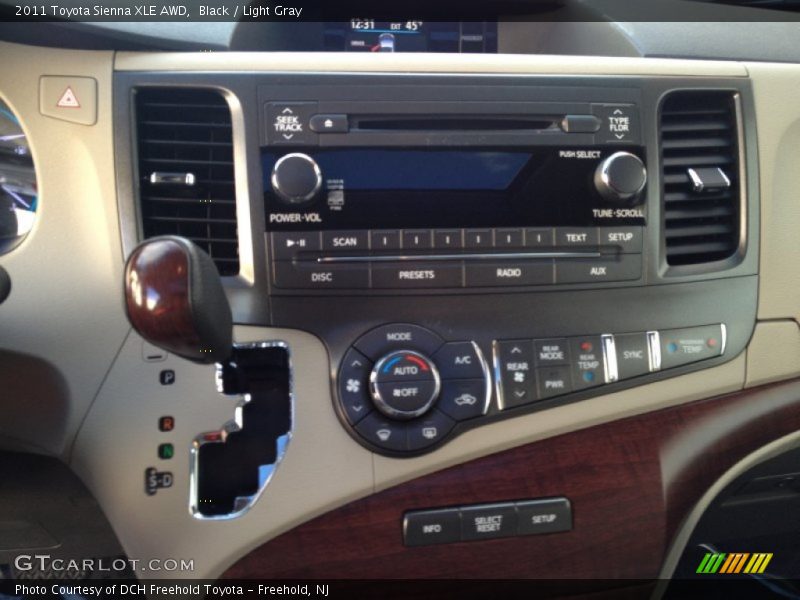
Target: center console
(473,248)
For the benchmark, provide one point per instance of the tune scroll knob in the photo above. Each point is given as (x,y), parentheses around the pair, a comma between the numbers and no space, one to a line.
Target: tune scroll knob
(620,178)
(404,384)
(296,178)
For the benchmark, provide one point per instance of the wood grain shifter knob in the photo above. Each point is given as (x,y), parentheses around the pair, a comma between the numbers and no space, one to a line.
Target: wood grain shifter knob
(175,300)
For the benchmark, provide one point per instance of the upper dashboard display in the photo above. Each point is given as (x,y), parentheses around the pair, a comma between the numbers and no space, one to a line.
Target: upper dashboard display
(369,35)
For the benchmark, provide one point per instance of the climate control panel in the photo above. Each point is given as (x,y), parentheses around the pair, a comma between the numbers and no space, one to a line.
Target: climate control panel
(403,389)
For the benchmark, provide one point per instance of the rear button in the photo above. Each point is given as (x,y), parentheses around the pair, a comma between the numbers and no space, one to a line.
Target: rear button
(429,430)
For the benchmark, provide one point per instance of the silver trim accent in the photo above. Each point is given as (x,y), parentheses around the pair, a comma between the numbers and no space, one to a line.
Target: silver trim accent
(384,406)
(295,199)
(243,503)
(603,184)
(609,357)
(654,350)
(724,335)
(487,376)
(453,257)
(164,178)
(697,182)
(498,384)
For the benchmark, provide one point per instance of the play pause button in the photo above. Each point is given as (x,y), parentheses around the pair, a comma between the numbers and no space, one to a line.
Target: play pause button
(285,245)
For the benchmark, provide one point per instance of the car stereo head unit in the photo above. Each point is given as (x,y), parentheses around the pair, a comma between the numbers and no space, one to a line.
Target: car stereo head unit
(453,195)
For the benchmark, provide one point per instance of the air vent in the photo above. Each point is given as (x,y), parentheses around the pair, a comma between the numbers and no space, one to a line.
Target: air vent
(700,172)
(186,170)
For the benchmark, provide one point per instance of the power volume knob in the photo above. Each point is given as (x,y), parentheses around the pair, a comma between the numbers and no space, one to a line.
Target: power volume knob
(620,178)
(296,178)
(404,384)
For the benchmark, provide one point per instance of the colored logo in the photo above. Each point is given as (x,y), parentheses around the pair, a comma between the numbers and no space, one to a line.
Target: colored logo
(734,562)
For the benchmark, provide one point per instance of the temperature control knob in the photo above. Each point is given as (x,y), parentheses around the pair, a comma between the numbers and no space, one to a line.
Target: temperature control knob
(620,178)
(296,178)
(404,384)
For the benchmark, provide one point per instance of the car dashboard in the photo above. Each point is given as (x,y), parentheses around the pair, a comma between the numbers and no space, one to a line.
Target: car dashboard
(500,289)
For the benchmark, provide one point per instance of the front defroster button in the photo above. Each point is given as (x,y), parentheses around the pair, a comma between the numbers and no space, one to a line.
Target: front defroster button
(386,434)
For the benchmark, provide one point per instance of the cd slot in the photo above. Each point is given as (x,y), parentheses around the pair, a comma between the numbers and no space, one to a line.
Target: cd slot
(462,123)
(477,256)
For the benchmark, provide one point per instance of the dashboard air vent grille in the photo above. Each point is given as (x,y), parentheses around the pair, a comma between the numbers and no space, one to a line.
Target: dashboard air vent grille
(186,176)
(700,173)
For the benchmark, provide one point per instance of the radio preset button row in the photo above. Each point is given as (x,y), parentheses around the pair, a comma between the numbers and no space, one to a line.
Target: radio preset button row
(531,370)
(384,259)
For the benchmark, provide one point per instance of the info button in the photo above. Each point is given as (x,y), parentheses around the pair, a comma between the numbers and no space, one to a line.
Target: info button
(424,527)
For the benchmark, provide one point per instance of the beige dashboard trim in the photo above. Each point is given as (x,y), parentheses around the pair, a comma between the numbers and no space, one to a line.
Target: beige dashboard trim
(310,62)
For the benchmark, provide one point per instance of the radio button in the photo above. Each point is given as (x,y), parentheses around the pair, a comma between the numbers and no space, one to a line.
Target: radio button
(429,275)
(553,381)
(576,238)
(464,399)
(628,239)
(447,239)
(385,240)
(539,238)
(514,364)
(429,430)
(482,274)
(475,239)
(339,241)
(286,245)
(508,238)
(551,352)
(587,362)
(633,355)
(625,267)
(417,239)
(313,276)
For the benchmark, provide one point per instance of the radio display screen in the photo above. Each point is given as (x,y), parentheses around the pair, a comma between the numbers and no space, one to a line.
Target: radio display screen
(375,188)
(417,169)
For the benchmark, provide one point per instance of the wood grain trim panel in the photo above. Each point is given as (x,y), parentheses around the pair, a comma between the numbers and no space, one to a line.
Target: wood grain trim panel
(631,483)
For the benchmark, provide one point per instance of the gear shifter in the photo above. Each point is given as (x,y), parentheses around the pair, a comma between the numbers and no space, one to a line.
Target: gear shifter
(175,300)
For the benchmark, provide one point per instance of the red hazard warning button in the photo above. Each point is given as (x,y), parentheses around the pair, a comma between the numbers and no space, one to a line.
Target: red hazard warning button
(71,99)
